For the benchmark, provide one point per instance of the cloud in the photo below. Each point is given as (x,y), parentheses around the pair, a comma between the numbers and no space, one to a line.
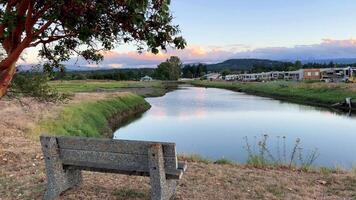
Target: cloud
(326,49)
(193,54)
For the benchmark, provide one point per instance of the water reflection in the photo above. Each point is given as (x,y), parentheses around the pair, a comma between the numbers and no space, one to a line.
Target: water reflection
(213,122)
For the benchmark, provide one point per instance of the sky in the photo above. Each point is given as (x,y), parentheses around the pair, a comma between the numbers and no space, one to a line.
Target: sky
(269,29)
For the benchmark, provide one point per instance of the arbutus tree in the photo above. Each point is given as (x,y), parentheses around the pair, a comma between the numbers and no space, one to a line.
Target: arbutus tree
(64,28)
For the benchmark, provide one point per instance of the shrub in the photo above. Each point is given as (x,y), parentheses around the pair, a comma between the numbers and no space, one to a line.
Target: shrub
(263,156)
(35,84)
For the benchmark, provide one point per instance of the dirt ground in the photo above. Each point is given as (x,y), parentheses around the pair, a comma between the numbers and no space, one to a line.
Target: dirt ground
(22,172)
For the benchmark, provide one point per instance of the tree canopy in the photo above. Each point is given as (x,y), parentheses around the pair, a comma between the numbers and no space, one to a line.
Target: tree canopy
(194,71)
(65,28)
(169,70)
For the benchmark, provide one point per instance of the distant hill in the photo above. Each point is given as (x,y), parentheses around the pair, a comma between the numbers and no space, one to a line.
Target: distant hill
(242,64)
(336,61)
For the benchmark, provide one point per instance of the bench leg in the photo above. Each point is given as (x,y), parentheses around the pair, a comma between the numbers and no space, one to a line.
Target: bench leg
(59,179)
(161,188)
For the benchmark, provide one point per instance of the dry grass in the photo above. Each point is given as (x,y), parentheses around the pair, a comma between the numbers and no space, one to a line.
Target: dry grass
(22,173)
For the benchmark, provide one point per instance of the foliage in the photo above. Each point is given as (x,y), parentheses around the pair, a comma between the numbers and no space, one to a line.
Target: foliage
(114,74)
(169,70)
(264,156)
(35,84)
(225,72)
(76,23)
(85,28)
(194,71)
(89,119)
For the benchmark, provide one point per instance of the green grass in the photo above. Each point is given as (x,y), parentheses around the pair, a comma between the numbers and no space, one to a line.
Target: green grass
(89,119)
(224,161)
(322,94)
(94,85)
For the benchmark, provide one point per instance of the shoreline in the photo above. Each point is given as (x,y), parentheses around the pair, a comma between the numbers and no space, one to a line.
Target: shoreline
(292,98)
(105,115)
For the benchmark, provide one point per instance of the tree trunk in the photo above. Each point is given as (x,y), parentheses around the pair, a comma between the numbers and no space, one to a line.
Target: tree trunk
(6,76)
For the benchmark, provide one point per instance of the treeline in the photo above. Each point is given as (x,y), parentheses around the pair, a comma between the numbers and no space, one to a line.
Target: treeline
(115,74)
(168,70)
(171,69)
(194,71)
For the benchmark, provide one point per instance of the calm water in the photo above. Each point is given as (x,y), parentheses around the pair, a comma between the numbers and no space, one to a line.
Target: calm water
(213,123)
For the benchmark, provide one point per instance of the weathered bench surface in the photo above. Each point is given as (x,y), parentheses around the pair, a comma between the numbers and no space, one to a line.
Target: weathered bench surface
(65,157)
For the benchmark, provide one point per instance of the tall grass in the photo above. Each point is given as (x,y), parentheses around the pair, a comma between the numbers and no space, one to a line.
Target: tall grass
(90,119)
(262,155)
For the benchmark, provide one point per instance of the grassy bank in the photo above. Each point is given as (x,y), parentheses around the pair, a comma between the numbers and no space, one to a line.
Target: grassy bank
(92,118)
(318,94)
(97,85)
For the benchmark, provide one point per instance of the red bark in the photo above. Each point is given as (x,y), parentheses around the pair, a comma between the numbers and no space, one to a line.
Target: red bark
(6,77)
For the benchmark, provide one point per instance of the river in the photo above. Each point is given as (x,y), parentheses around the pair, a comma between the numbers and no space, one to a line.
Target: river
(214,122)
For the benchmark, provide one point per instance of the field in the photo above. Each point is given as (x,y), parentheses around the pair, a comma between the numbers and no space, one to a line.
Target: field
(22,171)
(99,86)
(319,94)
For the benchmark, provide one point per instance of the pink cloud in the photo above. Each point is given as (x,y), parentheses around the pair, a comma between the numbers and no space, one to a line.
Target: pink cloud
(326,49)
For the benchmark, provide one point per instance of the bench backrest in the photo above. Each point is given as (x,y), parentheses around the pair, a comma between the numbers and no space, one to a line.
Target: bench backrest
(108,154)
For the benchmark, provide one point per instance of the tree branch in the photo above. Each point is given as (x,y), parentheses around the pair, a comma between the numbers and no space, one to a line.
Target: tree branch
(50,39)
(15,54)
(41,12)
(43,28)
(28,23)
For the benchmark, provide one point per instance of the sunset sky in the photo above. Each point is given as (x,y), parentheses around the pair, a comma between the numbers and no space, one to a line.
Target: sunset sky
(273,29)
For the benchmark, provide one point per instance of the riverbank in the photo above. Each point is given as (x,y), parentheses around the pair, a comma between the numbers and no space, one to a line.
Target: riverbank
(22,172)
(111,104)
(315,94)
(94,118)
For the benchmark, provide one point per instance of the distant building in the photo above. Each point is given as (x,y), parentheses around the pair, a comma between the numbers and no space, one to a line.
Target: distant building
(146,78)
(294,75)
(347,74)
(232,77)
(312,74)
(213,76)
(337,74)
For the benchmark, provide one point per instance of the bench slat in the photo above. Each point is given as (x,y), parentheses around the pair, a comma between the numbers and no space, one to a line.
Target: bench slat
(108,160)
(114,146)
(170,174)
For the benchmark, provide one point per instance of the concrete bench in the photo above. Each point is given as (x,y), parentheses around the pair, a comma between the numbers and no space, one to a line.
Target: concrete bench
(65,157)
